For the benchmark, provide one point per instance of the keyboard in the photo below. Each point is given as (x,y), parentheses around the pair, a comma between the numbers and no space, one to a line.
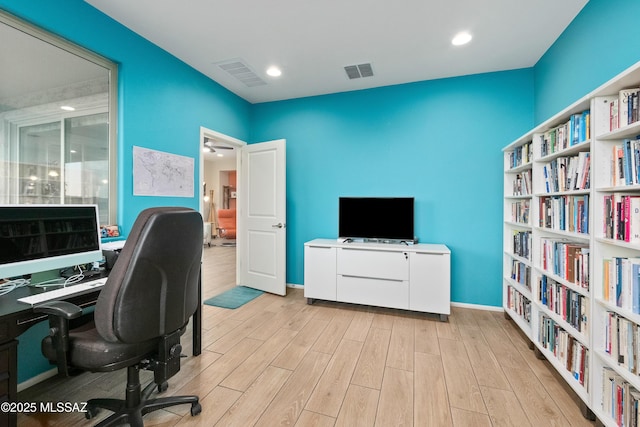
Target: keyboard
(60,293)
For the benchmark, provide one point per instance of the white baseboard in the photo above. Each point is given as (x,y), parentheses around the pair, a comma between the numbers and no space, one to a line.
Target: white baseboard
(37,379)
(476,306)
(294,286)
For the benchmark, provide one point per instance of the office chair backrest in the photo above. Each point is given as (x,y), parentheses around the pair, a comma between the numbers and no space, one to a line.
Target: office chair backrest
(152,289)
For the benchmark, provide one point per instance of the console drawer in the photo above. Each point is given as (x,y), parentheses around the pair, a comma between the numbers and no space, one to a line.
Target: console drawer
(377,264)
(368,291)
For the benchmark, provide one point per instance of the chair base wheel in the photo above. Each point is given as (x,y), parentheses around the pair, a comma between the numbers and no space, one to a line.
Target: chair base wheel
(163,387)
(91,412)
(196,408)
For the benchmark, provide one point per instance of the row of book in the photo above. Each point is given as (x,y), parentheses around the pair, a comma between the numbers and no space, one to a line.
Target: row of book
(522,184)
(565,213)
(621,283)
(624,109)
(522,244)
(520,211)
(568,304)
(622,217)
(573,132)
(521,273)
(622,341)
(567,173)
(568,260)
(568,350)
(625,163)
(620,399)
(519,304)
(521,155)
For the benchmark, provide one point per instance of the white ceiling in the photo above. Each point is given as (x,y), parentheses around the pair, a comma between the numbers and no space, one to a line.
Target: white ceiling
(404,40)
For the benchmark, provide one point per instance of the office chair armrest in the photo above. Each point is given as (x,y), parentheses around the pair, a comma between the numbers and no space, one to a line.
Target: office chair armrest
(60,312)
(62,309)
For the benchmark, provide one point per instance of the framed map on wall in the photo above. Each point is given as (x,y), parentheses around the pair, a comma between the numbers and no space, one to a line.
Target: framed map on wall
(157,173)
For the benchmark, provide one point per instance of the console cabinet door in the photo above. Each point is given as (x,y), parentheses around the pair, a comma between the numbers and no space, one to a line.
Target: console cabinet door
(430,282)
(378,264)
(370,291)
(320,272)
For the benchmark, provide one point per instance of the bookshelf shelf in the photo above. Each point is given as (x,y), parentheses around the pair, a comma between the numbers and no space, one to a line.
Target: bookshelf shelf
(574,149)
(517,318)
(619,189)
(564,193)
(618,243)
(584,171)
(518,258)
(561,233)
(606,306)
(572,286)
(520,287)
(520,225)
(521,168)
(629,131)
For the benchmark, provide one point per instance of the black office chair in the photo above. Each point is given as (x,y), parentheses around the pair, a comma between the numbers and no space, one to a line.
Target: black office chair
(141,313)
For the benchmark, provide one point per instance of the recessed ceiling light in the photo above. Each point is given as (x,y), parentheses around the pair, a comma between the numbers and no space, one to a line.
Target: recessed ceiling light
(461,38)
(67,108)
(274,71)
(220,155)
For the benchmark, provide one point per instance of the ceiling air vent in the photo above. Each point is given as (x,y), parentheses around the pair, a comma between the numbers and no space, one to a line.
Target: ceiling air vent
(241,71)
(357,71)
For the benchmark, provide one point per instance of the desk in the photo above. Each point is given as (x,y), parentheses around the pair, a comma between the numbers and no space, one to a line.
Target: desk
(17,317)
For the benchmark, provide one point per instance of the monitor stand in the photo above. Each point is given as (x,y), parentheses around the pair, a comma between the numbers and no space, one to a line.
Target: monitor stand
(45,276)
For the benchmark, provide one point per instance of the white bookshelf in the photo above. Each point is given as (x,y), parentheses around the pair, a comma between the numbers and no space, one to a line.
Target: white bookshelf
(587,238)
(518,191)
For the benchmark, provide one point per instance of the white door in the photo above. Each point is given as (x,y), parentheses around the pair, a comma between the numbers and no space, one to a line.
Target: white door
(262,217)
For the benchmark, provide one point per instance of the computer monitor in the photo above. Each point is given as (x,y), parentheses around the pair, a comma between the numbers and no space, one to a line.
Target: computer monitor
(37,238)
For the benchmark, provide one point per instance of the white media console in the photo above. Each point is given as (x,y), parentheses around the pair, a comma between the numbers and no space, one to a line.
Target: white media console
(410,277)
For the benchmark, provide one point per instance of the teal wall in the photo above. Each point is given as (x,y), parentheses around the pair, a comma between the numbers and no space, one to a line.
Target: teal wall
(439,141)
(162,104)
(601,42)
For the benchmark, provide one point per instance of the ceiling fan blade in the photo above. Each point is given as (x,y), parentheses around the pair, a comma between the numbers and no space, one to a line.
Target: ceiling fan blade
(222,147)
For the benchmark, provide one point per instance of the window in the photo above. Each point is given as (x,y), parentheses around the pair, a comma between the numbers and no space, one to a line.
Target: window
(57,121)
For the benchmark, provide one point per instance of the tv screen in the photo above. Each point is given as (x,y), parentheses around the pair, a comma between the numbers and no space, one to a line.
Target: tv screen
(376,218)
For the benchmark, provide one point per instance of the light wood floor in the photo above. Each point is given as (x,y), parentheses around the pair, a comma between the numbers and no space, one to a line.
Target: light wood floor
(278,361)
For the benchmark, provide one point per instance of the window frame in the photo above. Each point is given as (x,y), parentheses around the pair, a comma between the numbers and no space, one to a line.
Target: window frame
(112,102)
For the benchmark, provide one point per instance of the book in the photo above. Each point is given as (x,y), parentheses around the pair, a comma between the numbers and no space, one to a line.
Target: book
(613,115)
(635,286)
(625,106)
(634,219)
(583,126)
(628,167)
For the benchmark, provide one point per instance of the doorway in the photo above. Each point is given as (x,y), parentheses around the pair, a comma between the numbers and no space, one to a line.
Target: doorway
(219,166)
(260,199)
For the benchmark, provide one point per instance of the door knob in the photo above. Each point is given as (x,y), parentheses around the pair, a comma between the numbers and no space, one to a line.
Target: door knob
(278,225)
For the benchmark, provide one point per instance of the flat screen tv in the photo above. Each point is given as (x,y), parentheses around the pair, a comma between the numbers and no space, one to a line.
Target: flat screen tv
(376,218)
(37,238)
